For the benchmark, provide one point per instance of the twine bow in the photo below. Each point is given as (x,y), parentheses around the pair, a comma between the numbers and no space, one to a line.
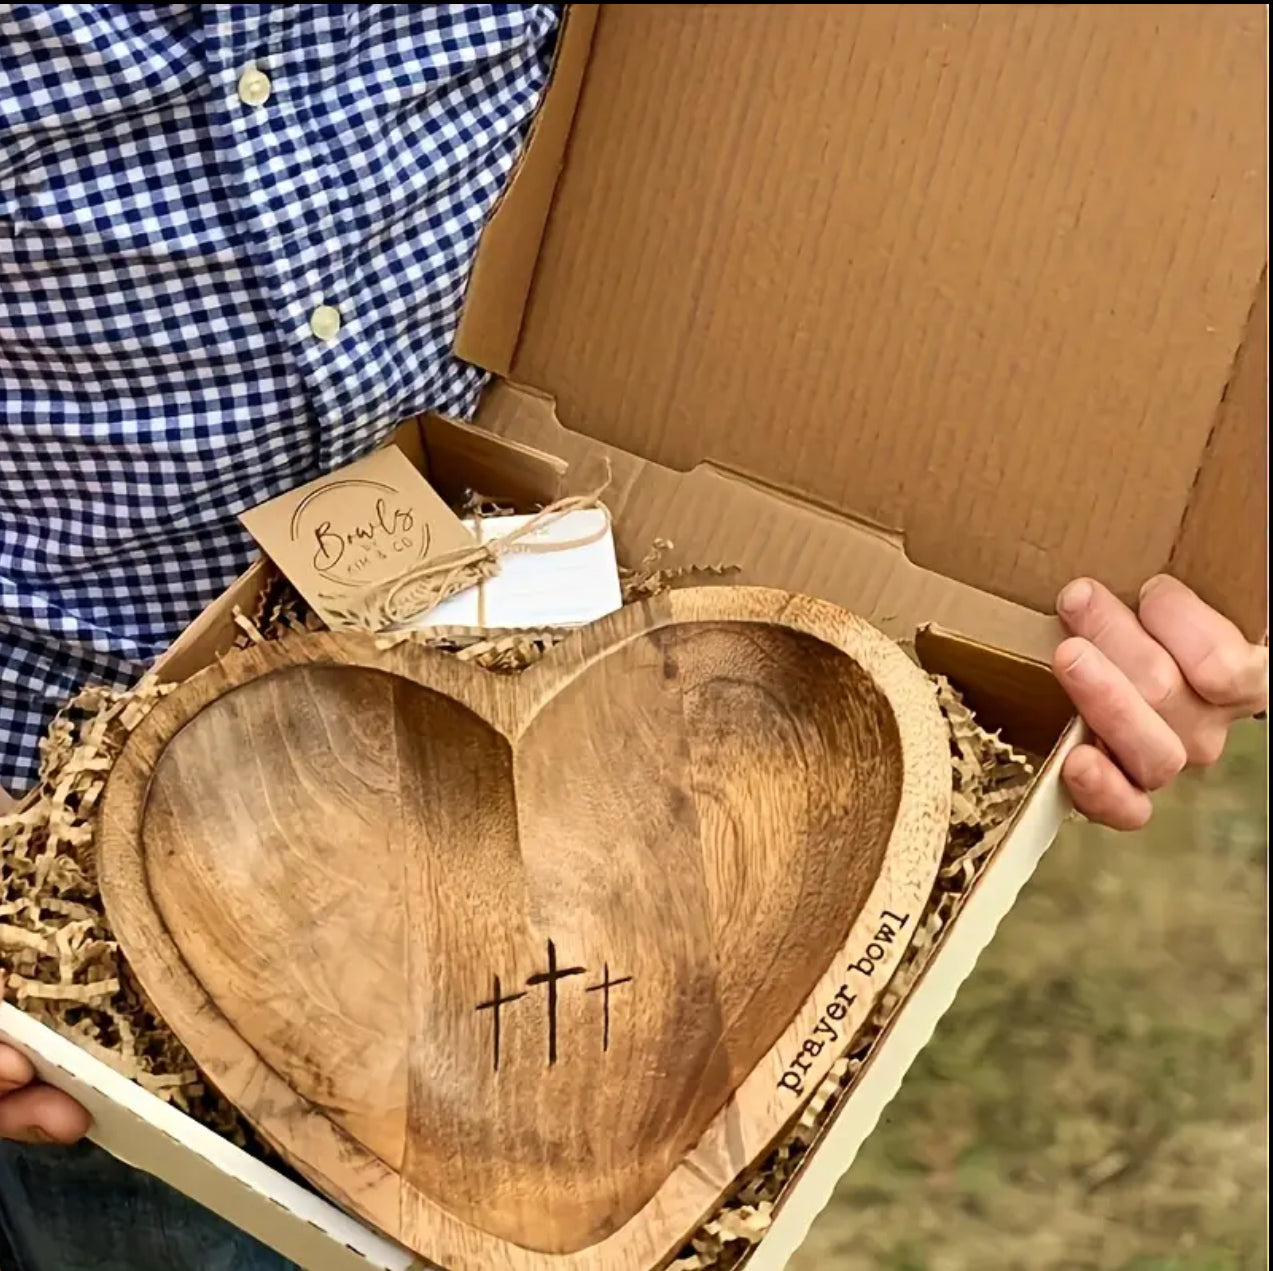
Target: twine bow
(393,602)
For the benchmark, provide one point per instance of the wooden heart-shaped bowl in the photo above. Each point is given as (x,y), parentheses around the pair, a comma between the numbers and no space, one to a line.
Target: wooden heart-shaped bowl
(526,970)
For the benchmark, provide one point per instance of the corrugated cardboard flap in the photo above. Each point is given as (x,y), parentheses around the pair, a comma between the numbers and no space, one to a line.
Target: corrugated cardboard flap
(501,276)
(980,274)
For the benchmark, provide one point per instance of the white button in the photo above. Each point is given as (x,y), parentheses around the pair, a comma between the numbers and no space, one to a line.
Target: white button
(254,87)
(324,322)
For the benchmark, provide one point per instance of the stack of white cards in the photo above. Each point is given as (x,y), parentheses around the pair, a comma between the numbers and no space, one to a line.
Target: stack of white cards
(537,589)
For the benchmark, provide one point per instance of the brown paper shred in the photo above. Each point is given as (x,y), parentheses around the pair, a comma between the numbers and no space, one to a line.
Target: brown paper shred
(12,937)
(23,988)
(650,577)
(248,626)
(65,969)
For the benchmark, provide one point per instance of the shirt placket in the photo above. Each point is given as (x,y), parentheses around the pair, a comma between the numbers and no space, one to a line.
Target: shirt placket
(259,79)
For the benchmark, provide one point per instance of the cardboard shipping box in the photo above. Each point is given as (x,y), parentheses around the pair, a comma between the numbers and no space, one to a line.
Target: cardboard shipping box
(921,309)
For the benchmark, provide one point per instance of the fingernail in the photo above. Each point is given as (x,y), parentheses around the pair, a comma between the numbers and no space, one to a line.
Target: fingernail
(1151,584)
(1070,665)
(1075,597)
(33,1134)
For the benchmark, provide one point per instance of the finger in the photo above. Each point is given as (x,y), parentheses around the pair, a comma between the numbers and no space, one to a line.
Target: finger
(1215,657)
(15,1070)
(41,1114)
(1092,611)
(1101,791)
(1142,742)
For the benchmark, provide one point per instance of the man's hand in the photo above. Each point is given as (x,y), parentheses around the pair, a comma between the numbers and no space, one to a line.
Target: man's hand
(34,1113)
(1159,689)
(31,1112)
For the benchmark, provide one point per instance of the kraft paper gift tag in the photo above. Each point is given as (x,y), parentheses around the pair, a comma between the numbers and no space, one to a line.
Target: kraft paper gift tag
(361,525)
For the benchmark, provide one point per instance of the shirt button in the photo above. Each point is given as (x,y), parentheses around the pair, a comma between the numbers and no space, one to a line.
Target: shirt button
(254,87)
(324,322)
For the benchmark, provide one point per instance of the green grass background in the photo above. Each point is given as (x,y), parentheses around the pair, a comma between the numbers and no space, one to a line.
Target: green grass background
(1097,1096)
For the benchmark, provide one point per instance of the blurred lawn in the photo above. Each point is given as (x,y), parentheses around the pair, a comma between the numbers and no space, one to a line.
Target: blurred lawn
(1097,1096)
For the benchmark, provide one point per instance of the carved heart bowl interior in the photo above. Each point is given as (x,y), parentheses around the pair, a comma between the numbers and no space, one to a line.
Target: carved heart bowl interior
(526,970)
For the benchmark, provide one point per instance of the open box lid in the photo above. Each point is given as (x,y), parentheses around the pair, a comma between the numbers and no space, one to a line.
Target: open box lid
(992,277)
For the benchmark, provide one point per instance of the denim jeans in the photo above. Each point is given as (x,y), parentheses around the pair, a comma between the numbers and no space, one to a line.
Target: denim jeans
(79,1209)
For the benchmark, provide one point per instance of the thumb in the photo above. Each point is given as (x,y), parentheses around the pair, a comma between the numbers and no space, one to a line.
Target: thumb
(15,1070)
(41,1114)
(29,1111)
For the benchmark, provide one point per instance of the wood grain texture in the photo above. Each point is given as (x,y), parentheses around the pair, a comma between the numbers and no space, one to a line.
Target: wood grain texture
(526,971)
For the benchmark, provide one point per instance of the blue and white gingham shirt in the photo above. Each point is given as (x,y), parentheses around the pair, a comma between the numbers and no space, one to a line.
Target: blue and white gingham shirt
(234,240)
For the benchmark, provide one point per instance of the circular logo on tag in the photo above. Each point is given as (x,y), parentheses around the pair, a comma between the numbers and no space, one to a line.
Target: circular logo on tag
(359,532)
